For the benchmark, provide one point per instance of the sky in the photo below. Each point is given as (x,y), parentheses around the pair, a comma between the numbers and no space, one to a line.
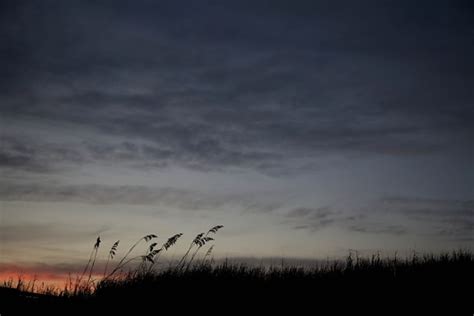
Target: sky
(306,128)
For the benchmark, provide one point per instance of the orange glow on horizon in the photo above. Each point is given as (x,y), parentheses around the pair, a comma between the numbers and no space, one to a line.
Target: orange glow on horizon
(35,281)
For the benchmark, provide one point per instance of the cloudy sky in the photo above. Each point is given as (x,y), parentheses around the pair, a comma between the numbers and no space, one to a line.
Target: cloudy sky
(306,128)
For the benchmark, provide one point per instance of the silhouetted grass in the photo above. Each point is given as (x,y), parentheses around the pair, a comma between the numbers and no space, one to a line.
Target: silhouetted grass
(453,267)
(424,281)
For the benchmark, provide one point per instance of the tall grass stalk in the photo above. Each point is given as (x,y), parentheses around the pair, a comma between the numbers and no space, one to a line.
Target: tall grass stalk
(112,252)
(182,262)
(170,242)
(208,253)
(86,268)
(96,248)
(201,241)
(122,262)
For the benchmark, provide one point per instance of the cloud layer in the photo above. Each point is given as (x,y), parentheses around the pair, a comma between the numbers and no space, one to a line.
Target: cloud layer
(271,87)
(307,125)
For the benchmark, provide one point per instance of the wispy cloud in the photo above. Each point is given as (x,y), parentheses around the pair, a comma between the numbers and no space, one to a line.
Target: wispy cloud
(315,219)
(449,219)
(379,228)
(312,219)
(26,231)
(183,199)
(421,208)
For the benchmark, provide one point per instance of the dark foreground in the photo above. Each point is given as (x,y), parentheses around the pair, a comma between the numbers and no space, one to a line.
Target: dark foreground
(428,285)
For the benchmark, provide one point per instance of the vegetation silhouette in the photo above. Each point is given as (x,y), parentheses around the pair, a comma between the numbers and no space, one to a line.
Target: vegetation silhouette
(426,281)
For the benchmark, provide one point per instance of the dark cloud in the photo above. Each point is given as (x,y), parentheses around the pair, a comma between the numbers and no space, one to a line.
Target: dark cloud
(136,195)
(263,86)
(446,220)
(379,229)
(312,219)
(420,208)
(449,219)
(315,219)
(29,154)
(314,213)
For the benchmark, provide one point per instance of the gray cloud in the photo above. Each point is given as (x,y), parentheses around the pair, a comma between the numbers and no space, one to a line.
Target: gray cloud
(321,212)
(29,154)
(135,195)
(379,229)
(446,219)
(23,153)
(451,219)
(420,208)
(315,219)
(312,219)
(238,96)
(27,232)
